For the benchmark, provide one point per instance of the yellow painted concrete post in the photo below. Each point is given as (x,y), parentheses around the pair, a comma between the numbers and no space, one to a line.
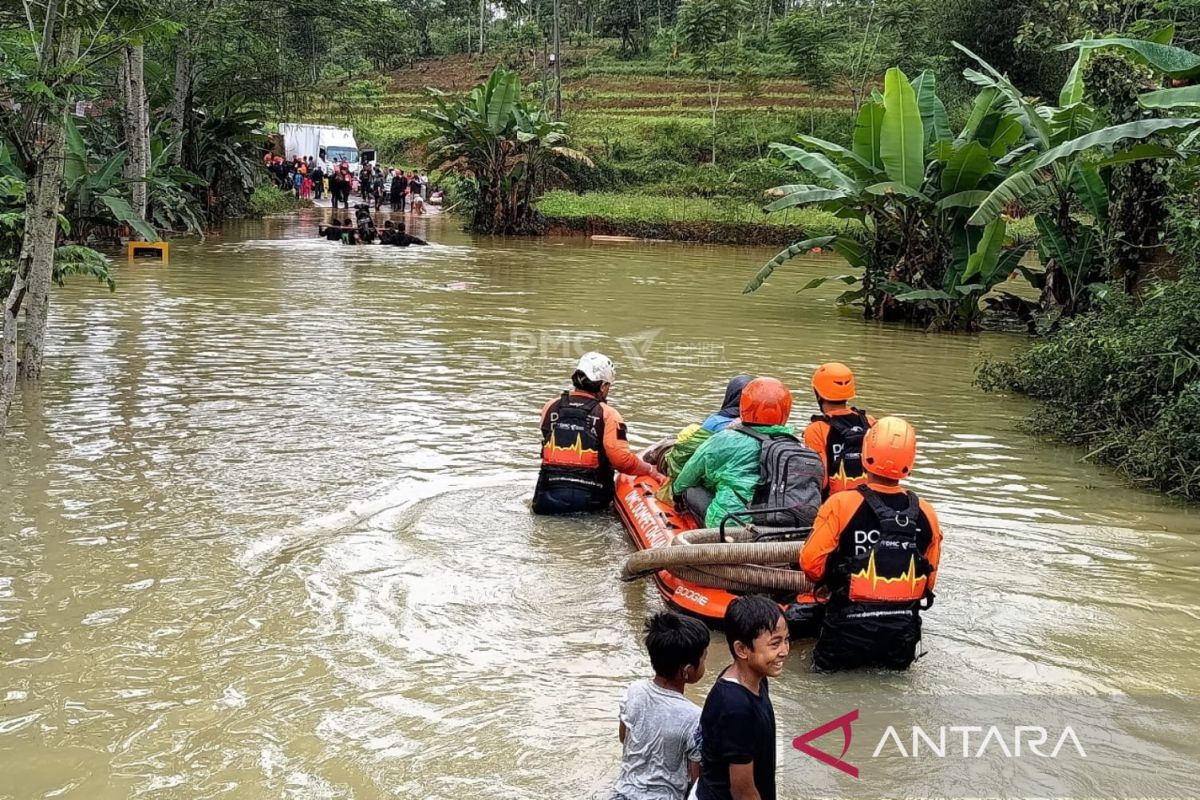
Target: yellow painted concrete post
(162,248)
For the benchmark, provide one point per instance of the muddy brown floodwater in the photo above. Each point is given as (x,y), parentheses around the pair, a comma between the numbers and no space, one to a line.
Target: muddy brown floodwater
(264,529)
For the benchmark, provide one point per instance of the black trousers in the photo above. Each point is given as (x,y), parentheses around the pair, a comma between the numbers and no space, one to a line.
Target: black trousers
(560,497)
(859,635)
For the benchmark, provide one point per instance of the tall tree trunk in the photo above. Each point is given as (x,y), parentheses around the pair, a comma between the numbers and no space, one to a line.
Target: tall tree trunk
(137,124)
(35,264)
(179,99)
(714,101)
(42,206)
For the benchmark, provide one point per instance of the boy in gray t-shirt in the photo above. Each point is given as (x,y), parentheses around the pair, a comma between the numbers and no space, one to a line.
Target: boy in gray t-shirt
(659,726)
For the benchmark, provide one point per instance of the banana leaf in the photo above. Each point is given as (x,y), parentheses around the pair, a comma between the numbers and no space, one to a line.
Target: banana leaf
(979,111)
(799,248)
(987,254)
(1008,132)
(1016,186)
(804,195)
(818,165)
(850,296)
(1035,125)
(1072,122)
(1171,98)
(1090,188)
(892,187)
(123,212)
(1073,90)
(867,132)
(1175,62)
(503,89)
(1017,155)
(861,168)
(902,135)
(926,294)
(1074,261)
(815,282)
(933,111)
(968,199)
(966,167)
(852,250)
(1107,138)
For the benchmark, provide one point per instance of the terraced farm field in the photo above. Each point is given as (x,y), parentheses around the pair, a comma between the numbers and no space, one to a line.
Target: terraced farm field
(591,97)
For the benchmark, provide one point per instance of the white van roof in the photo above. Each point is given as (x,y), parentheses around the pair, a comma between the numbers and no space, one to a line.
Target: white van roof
(337,137)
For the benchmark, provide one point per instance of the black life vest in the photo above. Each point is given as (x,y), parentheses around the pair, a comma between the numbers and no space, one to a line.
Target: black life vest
(843,449)
(887,565)
(573,447)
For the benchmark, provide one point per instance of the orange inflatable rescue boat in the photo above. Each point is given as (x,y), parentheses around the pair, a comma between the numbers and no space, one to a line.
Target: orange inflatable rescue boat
(653,523)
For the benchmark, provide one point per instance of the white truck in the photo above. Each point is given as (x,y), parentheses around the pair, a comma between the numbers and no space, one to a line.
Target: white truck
(328,143)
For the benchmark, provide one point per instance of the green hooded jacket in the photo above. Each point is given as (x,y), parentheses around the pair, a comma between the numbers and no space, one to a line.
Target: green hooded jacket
(727,465)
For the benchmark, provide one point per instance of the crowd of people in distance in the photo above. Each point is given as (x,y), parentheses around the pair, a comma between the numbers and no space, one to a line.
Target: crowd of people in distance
(311,179)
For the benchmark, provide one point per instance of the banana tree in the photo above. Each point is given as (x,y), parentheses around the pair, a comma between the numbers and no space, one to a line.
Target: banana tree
(1064,171)
(932,204)
(503,144)
(913,184)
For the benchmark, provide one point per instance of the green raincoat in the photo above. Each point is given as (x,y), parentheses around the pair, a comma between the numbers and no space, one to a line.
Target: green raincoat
(727,465)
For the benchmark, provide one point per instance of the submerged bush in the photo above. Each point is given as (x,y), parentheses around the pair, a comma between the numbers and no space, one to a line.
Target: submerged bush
(1124,382)
(270,199)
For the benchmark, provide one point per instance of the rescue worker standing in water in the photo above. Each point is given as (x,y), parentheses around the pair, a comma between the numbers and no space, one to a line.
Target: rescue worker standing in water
(876,551)
(836,434)
(583,441)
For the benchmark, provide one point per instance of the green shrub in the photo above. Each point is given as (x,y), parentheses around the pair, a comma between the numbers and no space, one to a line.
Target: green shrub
(1124,382)
(270,199)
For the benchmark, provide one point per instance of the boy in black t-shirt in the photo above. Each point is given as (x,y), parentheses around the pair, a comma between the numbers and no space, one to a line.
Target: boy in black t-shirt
(737,726)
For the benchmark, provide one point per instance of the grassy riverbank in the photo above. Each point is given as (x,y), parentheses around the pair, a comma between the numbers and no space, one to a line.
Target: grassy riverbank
(685,219)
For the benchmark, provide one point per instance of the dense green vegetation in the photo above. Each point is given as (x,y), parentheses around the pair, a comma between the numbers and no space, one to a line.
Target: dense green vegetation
(934,238)
(1124,379)
(1123,382)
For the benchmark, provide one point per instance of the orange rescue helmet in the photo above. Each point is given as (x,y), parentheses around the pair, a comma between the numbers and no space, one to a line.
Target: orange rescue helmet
(765,401)
(833,381)
(890,448)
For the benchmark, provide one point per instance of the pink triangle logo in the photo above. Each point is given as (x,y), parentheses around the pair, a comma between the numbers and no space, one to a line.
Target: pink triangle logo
(842,723)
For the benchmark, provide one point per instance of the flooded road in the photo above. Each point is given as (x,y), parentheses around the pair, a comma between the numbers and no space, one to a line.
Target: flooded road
(264,530)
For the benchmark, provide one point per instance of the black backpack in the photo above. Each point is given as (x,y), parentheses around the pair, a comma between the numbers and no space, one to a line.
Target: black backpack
(789,483)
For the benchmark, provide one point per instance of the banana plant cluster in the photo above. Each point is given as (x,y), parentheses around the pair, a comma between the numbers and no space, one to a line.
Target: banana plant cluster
(502,143)
(932,201)
(96,191)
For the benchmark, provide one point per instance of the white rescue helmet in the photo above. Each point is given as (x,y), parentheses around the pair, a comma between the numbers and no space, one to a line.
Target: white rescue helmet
(597,367)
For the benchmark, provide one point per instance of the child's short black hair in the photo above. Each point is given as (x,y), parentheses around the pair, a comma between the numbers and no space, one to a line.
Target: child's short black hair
(674,642)
(748,617)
